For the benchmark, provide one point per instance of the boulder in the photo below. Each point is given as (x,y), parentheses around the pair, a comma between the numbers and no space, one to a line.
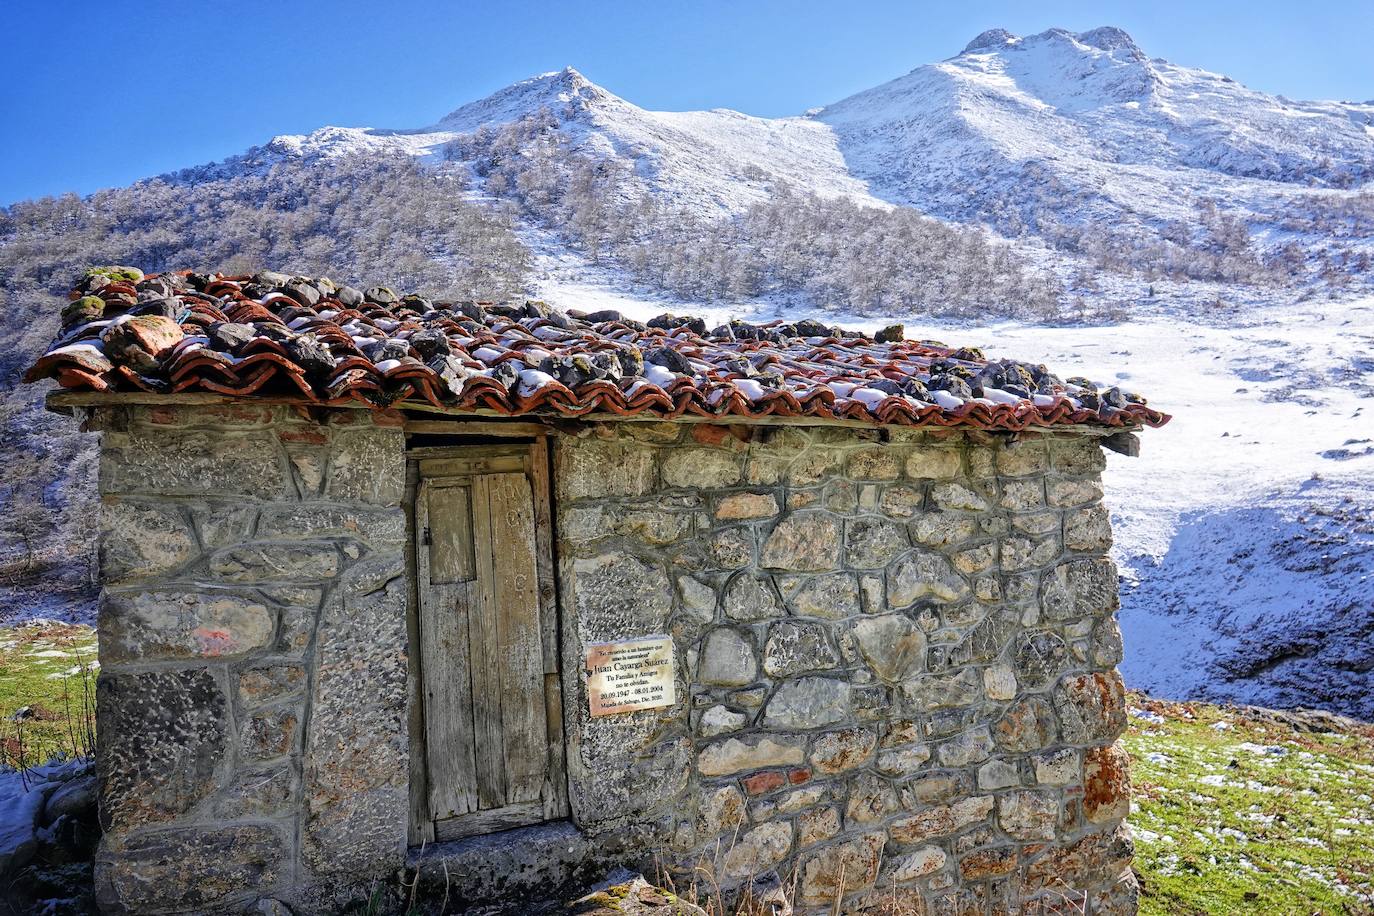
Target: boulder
(74,798)
(727,659)
(892,645)
(794,648)
(635,897)
(808,702)
(804,541)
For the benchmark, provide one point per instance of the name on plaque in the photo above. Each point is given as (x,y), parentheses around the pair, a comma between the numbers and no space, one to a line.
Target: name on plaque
(630,675)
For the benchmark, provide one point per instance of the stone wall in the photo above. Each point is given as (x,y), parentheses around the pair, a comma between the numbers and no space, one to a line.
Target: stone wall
(251,701)
(896,662)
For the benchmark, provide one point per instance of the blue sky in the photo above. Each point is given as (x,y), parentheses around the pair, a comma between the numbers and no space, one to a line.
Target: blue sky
(98,94)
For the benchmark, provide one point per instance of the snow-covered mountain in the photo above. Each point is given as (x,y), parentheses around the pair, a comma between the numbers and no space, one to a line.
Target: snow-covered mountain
(1074,127)
(715,161)
(1126,135)
(718,159)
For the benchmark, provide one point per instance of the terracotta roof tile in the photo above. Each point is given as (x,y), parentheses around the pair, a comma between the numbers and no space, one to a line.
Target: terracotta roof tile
(270,334)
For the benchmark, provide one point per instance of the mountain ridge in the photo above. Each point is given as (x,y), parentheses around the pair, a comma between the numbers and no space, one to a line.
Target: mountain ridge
(1039,138)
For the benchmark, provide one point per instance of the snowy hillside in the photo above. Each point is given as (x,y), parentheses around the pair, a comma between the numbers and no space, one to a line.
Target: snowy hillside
(714,162)
(1085,153)
(1127,136)
(717,160)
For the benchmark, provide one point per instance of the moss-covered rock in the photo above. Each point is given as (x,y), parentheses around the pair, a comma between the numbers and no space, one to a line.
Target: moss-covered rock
(381,295)
(87,308)
(96,277)
(633,898)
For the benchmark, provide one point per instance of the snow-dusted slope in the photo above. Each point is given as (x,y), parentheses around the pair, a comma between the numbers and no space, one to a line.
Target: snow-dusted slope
(707,160)
(1122,134)
(714,162)
(1033,136)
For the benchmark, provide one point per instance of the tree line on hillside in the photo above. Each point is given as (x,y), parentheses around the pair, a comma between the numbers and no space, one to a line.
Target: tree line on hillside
(837,254)
(829,254)
(1322,238)
(360,220)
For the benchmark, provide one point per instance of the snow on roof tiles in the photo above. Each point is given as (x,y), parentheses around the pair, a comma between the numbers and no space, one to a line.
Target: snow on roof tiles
(273,334)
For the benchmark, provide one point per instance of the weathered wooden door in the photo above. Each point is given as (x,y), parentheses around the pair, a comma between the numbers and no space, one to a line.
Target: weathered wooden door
(488,678)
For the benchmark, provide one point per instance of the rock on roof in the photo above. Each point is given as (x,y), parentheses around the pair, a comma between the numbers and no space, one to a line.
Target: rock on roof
(271,334)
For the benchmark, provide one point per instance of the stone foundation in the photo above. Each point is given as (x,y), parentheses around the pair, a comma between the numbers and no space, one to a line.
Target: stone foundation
(895,665)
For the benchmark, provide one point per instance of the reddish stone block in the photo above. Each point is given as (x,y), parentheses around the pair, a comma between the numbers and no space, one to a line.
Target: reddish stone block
(988,863)
(1106,784)
(1091,707)
(310,436)
(760,783)
(708,434)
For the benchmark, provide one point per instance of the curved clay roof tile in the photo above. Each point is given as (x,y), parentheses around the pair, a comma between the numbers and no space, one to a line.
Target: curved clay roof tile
(803,374)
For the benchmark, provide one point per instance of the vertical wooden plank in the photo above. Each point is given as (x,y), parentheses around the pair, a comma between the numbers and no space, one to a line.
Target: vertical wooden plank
(485,655)
(450,545)
(445,662)
(555,781)
(543,531)
(556,786)
(421,827)
(517,616)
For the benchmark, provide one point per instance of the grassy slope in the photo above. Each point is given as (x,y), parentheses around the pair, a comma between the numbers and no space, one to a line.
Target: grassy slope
(46,668)
(1235,812)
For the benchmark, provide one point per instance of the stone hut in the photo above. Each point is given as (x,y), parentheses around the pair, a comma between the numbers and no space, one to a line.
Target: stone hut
(510,596)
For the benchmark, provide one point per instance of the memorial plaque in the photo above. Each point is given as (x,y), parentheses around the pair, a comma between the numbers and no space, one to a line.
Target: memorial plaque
(631,675)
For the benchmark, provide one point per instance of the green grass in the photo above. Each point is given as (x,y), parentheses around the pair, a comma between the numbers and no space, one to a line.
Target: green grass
(1234,814)
(47,692)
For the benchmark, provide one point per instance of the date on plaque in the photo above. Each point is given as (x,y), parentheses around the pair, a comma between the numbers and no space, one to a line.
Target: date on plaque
(631,675)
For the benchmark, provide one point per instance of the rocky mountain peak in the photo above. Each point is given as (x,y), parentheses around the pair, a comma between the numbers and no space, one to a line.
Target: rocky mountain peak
(1107,40)
(990,40)
(1115,41)
(1110,38)
(565,92)
(569,79)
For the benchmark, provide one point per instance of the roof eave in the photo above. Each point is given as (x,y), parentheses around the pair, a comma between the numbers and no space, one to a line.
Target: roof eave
(67,402)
